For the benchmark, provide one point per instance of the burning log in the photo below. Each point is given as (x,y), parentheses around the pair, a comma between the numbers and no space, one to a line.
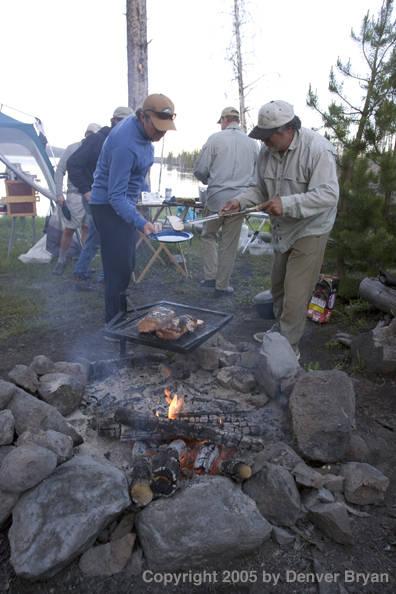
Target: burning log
(166,469)
(235,469)
(233,435)
(206,458)
(141,492)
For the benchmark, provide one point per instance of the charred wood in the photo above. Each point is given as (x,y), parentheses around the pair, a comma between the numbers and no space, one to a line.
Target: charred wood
(235,469)
(141,474)
(166,469)
(206,458)
(241,435)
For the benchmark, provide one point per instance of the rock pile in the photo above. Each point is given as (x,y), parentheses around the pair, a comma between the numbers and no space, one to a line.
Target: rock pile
(65,504)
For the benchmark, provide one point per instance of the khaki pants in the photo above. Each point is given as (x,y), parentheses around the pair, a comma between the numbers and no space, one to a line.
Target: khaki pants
(293,278)
(219,265)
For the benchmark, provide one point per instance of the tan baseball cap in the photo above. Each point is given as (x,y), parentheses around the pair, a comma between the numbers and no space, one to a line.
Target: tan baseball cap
(271,116)
(161,111)
(229,111)
(122,112)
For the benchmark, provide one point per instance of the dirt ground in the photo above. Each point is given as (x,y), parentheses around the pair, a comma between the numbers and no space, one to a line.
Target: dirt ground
(72,333)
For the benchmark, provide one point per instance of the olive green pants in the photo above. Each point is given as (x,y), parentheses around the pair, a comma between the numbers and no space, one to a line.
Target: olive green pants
(293,278)
(218,264)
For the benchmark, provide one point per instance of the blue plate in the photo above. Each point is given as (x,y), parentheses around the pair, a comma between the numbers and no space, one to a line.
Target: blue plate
(170,236)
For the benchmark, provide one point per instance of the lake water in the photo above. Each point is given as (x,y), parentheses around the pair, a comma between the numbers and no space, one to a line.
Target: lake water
(182,184)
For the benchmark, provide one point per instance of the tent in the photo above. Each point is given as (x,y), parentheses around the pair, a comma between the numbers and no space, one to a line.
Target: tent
(20,141)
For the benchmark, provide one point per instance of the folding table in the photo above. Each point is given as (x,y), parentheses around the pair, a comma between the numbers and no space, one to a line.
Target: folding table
(259,215)
(164,237)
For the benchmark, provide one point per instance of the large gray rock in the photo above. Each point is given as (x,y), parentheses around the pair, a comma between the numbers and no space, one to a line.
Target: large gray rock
(209,354)
(7,389)
(277,453)
(236,378)
(7,502)
(24,377)
(364,484)
(321,412)
(275,492)
(60,444)
(7,427)
(277,361)
(41,365)
(29,412)
(25,467)
(332,519)
(211,519)
(62,391)
(61,517)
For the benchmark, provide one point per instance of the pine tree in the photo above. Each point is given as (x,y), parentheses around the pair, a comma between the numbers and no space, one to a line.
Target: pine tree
(364,233)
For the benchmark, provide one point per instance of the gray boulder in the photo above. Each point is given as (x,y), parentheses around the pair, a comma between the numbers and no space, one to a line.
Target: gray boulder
(62,391)
(364,484)
(25,467)
(61,517)
(42,365)
(7,389)
(276,363)
(24,377)
(7,427)
(29,412)
(60,444)
(275,492)
(7,502)
(211,519)
(321,412)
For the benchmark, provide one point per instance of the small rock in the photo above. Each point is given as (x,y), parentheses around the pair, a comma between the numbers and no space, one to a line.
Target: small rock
(24,377)
(60,444)
(25,467)
(236,378)
(41,365)
(358,450)
(364,484)
(107,559)
(332,519)
(134,565)
(76,370)
(281,536)
(7,389)
(7,427)
(124,527)
(61,391)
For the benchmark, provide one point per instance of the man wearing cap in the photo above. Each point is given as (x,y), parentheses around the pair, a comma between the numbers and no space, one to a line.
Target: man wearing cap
(226,164)
(81,167)
(297,186)
(124,161)
(79,218)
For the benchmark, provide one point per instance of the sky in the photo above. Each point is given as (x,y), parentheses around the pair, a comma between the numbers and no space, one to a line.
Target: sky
(66,62)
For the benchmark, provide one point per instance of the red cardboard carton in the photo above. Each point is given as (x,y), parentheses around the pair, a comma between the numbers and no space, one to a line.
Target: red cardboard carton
(322,300)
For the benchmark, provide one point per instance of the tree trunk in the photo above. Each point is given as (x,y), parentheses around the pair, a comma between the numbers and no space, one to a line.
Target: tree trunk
(136,17)
(239,67)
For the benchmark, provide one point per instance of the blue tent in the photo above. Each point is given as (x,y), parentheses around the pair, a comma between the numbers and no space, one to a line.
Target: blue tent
(19,140)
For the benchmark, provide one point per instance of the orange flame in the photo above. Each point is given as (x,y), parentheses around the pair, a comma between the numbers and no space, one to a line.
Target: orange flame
(176,406)
(220,420)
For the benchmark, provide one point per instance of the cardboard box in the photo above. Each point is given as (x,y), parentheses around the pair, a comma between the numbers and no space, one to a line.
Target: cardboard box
(322,301)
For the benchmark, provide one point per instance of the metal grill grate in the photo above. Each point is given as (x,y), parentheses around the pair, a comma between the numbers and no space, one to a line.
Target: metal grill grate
(127,329)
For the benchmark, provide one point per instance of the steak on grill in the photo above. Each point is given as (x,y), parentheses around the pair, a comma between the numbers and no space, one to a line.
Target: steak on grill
(174,328)
(154,317)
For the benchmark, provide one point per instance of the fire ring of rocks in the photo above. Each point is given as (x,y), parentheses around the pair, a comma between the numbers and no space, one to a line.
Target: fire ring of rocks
(94,455)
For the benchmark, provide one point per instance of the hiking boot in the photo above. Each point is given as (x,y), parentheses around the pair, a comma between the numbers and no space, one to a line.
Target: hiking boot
(100,288)
(208,283)
(59,268)
(80,283)
(226,293)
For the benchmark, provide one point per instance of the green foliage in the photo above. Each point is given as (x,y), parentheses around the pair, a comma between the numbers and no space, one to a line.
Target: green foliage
(365,228)
(311,366)
(349,288)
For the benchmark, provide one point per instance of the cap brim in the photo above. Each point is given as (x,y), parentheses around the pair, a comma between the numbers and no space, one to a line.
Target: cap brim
(162,125)
(262,133)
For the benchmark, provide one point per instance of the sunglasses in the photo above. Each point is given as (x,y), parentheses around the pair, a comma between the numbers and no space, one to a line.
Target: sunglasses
(162,115)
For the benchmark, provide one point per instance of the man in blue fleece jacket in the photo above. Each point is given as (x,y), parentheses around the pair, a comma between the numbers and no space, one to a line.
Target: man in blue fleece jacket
(127,155)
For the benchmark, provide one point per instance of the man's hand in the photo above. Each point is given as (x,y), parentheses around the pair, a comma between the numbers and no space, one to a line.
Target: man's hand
(230,207)
(149,228)
(60,200)
(272,207)
(87,196)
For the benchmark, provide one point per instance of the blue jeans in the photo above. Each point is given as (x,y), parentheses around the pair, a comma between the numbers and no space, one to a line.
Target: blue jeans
(88,253)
